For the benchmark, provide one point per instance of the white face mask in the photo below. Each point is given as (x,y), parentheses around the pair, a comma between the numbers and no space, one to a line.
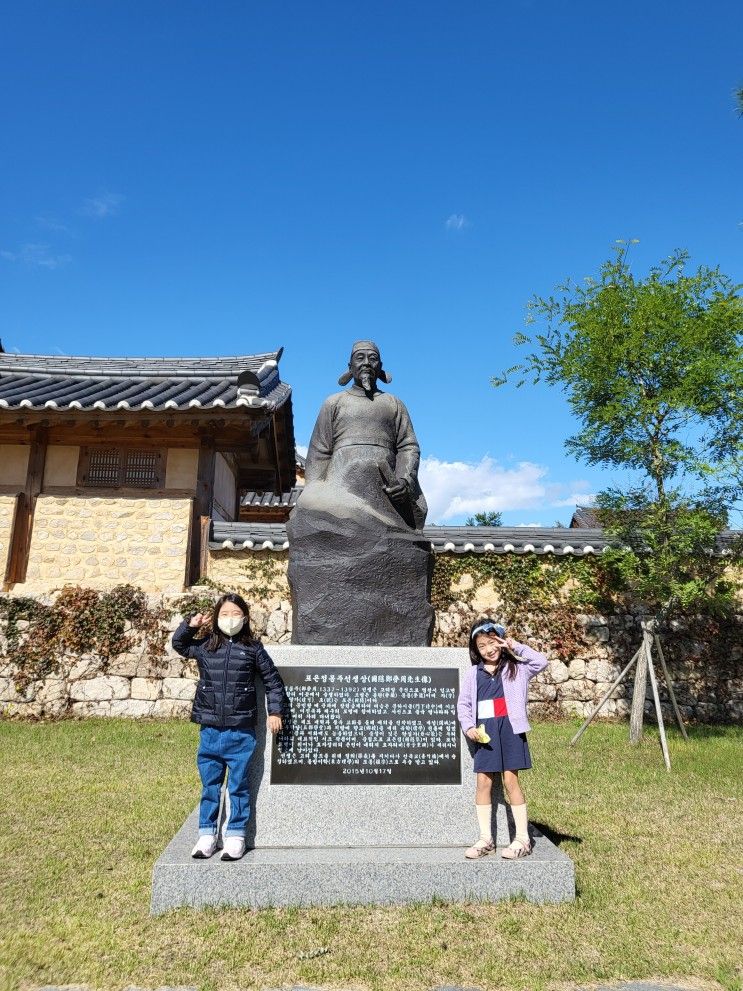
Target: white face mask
(230,625)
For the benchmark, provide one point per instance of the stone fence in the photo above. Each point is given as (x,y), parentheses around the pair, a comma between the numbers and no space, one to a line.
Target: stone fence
(706,665)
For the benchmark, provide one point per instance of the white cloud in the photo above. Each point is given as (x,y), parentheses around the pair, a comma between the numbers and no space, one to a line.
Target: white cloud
(456,222)
(36,256)
(577,499)
(104,205)
(459,488)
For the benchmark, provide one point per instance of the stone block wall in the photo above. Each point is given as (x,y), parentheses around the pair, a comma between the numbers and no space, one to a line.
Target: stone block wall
(260,576)
(138,684)
(101,541)
(133,685)
(7,515)
(706,659)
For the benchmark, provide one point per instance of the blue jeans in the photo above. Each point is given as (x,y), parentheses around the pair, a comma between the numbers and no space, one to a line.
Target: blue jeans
(224,751)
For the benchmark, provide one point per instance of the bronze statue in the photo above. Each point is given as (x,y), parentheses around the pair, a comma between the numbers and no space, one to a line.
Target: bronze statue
(358,565)
(364,443)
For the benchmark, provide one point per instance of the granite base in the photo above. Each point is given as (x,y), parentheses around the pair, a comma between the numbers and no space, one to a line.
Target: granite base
(293,876)
(360,843)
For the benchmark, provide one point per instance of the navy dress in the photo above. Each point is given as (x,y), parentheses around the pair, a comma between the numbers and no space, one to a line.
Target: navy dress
(507,751)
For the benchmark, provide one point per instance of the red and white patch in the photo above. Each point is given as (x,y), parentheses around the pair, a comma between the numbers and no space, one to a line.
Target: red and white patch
(491,708)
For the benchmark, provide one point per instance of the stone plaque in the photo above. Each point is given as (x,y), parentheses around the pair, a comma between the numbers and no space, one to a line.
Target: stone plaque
(380,725)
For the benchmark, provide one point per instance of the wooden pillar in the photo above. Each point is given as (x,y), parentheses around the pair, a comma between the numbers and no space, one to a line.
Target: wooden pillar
(20,541)
(198,555)
(276,455)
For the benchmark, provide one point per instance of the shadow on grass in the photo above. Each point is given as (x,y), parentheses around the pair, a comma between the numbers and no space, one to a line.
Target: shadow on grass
(553,835)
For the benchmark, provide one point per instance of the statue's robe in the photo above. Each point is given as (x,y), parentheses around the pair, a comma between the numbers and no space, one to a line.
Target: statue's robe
(359,568)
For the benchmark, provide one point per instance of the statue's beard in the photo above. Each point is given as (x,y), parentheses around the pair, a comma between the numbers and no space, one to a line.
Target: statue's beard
(367,380)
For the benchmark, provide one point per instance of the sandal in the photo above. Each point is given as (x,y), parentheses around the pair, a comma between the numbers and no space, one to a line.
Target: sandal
(479,849)
(516,849)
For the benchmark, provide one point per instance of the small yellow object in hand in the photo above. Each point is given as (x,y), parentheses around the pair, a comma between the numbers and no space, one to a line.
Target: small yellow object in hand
(482,736)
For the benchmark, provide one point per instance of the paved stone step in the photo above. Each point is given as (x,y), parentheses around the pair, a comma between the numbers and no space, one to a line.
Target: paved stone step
(284,876)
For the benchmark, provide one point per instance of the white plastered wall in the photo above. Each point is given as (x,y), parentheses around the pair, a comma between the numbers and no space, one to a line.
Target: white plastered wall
(181,469)
(60,466)
(14,464)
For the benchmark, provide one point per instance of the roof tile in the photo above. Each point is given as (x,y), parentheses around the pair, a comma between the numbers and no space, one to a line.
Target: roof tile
(36,381)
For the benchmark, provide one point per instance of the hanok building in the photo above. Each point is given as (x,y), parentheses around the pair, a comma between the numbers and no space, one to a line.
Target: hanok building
(159,471)
(112,469)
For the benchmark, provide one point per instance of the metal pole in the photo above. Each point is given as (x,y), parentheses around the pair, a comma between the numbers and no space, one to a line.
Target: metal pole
(669,685)
(656,699)
(600,706)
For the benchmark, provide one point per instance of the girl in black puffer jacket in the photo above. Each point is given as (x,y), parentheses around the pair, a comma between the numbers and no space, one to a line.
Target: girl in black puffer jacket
(225,706)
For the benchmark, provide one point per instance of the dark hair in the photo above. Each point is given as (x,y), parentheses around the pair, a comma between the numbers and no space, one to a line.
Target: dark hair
(507,660)
(216,637)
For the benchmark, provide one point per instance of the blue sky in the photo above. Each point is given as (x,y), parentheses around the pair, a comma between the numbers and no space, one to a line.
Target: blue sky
(193,178)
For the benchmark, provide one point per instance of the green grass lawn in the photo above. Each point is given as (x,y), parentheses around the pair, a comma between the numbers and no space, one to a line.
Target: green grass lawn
(88,806)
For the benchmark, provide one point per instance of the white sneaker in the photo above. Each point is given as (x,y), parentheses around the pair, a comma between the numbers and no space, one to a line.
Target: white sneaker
(234,848)
(206,846)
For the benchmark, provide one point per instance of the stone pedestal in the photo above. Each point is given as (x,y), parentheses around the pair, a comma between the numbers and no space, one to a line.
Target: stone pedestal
(359,843)
(358,584)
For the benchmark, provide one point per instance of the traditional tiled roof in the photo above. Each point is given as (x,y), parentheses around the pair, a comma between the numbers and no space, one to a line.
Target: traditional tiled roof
(271,500)
(452,539)
(31,381)
(514,540)
(444,539)
(584,518)
(248,536)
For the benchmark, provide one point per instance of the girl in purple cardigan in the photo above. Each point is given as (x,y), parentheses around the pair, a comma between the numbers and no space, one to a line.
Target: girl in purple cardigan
(492,712)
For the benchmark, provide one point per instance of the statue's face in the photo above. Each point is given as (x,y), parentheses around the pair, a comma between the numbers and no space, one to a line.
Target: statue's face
(365,366)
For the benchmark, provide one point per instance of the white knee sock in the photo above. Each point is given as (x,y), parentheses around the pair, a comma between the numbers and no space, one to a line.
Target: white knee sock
(521,822)
(485,819)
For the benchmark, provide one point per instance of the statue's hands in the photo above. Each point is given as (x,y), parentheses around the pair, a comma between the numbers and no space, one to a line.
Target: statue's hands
(397,491)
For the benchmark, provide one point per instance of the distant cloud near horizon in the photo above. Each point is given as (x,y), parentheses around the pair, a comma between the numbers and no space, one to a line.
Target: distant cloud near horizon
(577,499)
(456,489)
(456,222)
(36,256)
(104,205)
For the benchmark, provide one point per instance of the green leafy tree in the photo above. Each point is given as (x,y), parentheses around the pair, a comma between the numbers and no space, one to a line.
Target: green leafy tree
(653,371)
(739,99)
(484,519)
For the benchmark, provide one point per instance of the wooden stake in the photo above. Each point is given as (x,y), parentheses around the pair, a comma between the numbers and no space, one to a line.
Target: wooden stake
(658,712)
(669,686)
(601,704)
(638,693)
